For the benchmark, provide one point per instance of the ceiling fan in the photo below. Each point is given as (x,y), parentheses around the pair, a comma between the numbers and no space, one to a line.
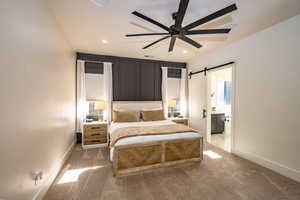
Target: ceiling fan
(177,31)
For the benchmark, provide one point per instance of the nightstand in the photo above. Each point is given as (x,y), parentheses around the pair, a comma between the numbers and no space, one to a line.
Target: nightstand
(94,134)
(184,121)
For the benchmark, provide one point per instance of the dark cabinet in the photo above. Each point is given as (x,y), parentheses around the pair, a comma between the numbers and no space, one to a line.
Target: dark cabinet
(217,123)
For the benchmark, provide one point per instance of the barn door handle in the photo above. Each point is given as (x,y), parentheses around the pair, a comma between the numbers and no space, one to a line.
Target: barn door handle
(204,113)
(227,119)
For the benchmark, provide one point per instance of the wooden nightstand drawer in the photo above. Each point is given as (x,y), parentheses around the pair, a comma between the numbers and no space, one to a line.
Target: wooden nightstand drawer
(95,134)
(91,128)
(95,141)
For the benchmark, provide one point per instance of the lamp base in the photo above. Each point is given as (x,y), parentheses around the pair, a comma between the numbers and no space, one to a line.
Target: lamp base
(172,113)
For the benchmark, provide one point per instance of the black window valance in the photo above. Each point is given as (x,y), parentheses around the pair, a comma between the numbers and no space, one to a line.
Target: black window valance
(93,68)
(174,73)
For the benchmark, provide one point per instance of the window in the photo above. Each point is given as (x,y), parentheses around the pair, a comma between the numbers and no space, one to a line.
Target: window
(173,97)
(224,93)
(92,112)
(94,90)
(227,92)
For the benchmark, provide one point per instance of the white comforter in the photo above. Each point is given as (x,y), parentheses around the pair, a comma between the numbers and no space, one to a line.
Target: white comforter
(147,138)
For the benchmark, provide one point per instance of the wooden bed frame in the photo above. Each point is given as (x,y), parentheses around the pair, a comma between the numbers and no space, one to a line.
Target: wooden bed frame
(133,158)
(128,159)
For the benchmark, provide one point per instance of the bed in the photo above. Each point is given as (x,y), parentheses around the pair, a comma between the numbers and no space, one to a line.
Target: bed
(143,152)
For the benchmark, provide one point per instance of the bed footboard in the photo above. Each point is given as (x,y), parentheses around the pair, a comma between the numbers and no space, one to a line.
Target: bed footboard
(133,158)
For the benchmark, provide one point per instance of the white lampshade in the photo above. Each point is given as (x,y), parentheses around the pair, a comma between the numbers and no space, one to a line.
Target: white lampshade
(172,103)
(100,105)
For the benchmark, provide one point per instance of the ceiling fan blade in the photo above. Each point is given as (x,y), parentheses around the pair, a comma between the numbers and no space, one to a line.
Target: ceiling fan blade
(208,31)
(149,45)
(151,20)
(181,12)
(210,17)
(172,43)
(190,41)
(146,34)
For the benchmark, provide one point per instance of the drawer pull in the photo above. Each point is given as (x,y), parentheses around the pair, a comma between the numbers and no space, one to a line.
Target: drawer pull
(94,134)
(95,127)
(95,141)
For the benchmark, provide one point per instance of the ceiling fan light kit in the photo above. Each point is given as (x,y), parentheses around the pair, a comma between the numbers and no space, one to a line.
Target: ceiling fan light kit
(176,31)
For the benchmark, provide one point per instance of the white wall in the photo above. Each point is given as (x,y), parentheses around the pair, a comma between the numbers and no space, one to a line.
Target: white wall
(267,95)
(37,87)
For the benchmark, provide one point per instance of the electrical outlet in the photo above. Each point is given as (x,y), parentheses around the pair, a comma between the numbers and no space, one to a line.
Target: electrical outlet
(37,176)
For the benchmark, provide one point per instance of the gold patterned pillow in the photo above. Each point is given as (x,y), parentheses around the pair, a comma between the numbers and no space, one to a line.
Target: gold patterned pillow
(126,116)
(153,115)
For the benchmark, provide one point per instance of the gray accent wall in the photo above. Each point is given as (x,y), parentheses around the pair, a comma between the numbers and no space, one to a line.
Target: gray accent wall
(136,81)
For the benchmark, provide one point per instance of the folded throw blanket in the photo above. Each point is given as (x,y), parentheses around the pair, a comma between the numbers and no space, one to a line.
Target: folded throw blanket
(148,130)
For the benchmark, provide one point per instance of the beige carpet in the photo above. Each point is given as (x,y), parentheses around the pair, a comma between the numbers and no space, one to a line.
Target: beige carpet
(87,175)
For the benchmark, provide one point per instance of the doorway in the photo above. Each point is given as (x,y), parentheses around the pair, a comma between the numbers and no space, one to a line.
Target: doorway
(219,107)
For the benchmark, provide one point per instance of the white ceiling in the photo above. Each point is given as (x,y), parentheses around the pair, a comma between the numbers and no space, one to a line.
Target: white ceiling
(86,24)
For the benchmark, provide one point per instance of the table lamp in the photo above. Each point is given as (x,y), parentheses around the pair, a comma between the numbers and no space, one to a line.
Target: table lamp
(100,106)
(172,104)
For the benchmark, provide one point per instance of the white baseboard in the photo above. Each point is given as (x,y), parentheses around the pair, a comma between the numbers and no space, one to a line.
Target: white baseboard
(277,167)
(48,182)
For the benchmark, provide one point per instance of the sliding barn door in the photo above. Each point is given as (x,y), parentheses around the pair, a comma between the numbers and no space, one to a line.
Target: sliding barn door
(198,103)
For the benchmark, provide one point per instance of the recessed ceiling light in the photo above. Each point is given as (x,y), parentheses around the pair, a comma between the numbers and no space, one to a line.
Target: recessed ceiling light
(104,41)
(230,26)
(100,2)
(184,51)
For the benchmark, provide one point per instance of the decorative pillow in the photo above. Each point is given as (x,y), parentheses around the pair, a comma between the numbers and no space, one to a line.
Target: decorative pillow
(153,115)
(126,116)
